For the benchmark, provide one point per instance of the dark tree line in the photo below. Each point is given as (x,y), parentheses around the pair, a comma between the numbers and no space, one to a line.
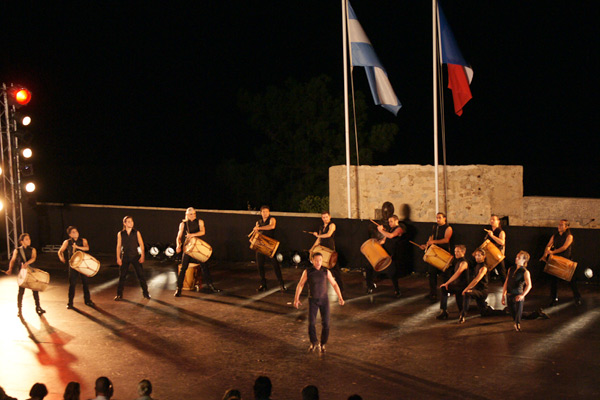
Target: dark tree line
(298,129)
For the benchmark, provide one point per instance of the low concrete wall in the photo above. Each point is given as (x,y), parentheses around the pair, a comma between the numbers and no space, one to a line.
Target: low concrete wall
(226,232)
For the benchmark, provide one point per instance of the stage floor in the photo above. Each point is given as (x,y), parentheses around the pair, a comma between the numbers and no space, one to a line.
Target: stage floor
(381,347)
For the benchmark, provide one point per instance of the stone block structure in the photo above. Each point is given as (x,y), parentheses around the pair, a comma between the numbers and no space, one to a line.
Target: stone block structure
(473,193)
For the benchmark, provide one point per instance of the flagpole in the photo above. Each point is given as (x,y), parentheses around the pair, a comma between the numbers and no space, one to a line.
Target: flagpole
(346,111)
(435,101)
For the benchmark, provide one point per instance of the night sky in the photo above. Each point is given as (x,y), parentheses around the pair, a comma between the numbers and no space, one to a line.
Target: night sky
(135,102)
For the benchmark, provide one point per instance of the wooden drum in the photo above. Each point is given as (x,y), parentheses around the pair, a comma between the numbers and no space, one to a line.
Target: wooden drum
(197,248)
(437,257)
(193,277)
(330,257)
(376,255)
(493,255)
(33,278)
(84,264)
(264,244)
(560,267)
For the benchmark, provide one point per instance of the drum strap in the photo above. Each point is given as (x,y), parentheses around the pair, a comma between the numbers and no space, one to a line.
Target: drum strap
(23,255)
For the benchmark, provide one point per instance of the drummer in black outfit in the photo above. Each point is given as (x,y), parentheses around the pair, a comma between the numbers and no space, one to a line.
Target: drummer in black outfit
(457,283)
(441,234)
(390,241)
(128,241)
(266,226)
(497,236)
(560,245)
(191,227)
(25,256)
(71,245)
(326,238)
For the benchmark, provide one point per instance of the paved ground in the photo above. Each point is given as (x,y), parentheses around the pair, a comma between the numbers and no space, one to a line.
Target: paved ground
(199,345)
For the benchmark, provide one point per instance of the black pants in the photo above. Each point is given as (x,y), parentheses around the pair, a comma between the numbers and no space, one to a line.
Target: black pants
(515,307)
(554,287)
(139,273)
(456,291)
(433,273)
(260,261)
(36,297)
(501,270)
(314,306)
(433,281)
(391,272)
(479,296)
(185,263)
(73,275)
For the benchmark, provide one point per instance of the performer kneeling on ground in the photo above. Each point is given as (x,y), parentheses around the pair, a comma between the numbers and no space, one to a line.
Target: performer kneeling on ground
(128,242)
(25,256)
(457,282)
(191,227)
(516,287)
(318,301)
(478,290)
(326,238)
(266,226)
(71,246)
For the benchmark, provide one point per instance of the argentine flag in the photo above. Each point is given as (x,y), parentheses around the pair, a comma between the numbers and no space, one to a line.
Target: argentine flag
(363,55)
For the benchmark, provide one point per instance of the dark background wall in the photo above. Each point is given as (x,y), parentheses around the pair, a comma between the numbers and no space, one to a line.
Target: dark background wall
(227,233)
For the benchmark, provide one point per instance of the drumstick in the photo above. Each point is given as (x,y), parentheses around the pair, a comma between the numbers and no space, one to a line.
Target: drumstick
(310,233)
(416,244)
(374,222)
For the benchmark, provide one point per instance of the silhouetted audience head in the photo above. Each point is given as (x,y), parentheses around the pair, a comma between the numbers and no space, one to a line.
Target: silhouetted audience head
(72,391)
(232,394)
(355,397)
(262,388)
(38,391)
(104,387)
(144,388)
(4,396)
(310,392)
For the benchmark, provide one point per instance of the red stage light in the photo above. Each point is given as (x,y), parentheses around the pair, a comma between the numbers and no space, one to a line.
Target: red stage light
(22,96)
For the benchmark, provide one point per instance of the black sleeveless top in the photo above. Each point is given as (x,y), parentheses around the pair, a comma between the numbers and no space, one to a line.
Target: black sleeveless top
(463,279)
(327,242)
(317,282)
(270,232)
(516,280)
(130,244)
(191,226)
(559,241)
(439,232)
(391,245)
(497,233)
(28,253)
(78,242)
(482,285)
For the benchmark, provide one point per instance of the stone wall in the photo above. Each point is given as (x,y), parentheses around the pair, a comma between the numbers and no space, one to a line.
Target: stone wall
(474,192)
(547,211)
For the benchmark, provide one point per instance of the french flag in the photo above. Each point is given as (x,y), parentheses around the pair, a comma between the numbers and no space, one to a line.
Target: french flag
(460,74)
(363,55)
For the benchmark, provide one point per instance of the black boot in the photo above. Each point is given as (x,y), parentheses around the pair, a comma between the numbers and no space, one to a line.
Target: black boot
(213,289)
